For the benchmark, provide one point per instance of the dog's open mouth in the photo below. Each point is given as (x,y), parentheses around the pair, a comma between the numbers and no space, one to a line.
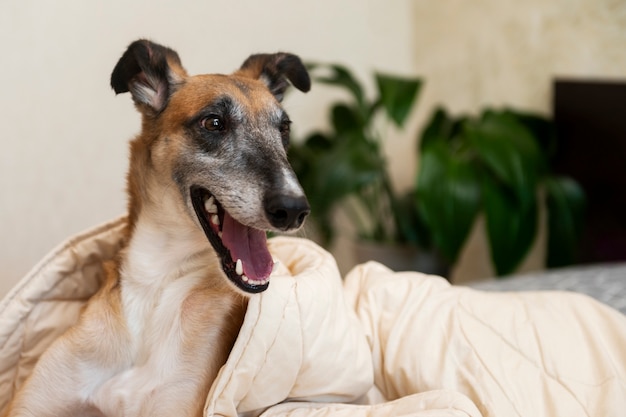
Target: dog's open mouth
(246,261)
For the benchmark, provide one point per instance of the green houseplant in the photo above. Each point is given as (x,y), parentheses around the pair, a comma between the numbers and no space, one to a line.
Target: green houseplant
(345,168)
(497,164)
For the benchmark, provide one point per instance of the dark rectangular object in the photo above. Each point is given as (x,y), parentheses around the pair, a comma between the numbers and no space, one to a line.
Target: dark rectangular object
(590,117)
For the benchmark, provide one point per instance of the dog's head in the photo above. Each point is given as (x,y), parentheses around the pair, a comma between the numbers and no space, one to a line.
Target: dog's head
(218,141)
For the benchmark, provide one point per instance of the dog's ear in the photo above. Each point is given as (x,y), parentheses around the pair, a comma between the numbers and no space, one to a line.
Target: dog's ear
(150,72)
(275,70)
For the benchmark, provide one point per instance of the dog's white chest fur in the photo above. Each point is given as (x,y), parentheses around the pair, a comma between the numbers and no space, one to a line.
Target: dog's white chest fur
(150,299)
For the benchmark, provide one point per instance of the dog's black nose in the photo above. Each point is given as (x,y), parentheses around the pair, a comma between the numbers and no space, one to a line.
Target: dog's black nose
(286,212)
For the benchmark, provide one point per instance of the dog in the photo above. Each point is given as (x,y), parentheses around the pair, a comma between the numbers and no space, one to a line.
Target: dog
(208,177)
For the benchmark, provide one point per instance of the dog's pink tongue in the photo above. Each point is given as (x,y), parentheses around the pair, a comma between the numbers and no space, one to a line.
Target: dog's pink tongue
(249,245)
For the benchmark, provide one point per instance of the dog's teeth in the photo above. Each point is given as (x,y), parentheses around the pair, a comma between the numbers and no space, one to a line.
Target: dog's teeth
(215,220)
(239,267)
(254,281)
(219,234)
(275,266)
(245,278)
(210,206)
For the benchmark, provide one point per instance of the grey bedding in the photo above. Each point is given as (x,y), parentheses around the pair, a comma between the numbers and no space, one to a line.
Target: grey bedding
(606,282)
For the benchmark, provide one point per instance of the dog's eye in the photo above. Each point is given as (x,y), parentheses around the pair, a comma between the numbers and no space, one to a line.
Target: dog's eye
(285,129)
(212,123)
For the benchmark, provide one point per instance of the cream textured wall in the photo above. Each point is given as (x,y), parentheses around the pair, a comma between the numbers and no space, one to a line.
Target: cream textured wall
(64,133)
(507,52)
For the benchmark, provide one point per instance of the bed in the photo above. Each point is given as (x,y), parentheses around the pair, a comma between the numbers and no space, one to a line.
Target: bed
(372,343)
(604,282)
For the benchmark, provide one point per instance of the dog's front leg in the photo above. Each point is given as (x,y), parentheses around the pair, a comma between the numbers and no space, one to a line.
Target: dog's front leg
(48,392)
(142,391)
(60,384)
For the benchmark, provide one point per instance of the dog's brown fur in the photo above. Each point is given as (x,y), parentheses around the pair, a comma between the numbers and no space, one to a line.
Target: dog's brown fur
(152,340)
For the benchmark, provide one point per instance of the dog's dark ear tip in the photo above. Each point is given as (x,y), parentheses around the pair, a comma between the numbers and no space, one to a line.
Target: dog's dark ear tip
(303,82)
(119,87)
(277,71)
(296,72)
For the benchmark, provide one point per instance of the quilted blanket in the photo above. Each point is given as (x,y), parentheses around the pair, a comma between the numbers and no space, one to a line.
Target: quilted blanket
(375,343)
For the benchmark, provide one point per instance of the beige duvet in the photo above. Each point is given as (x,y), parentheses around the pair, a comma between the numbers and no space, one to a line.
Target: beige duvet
(377,343)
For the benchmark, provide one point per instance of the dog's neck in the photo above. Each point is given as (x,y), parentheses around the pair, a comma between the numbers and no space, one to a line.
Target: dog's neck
(161,252)
(163,243)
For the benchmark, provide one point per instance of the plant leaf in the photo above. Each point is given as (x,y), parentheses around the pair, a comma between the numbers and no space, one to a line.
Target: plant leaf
(566,203)
(448,197)
(397,95)
(346,119)
(511,227)
(332,175)
(438,128)
(343,170)
(411,226)
(342,77)
(509,150)
(541,128)
(316,142)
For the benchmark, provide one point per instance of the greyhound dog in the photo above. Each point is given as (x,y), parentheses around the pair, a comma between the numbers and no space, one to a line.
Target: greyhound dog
(208,177)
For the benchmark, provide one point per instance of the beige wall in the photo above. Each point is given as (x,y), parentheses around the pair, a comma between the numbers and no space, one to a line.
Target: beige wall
(64,133)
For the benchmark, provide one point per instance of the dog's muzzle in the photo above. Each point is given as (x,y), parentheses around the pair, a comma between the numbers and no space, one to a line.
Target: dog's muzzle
(243,250)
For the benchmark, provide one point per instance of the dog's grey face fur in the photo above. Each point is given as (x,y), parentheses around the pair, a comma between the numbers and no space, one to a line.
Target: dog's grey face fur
(216,141)
(236,148)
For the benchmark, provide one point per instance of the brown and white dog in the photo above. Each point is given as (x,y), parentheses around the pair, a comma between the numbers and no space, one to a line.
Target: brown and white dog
(208,177)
